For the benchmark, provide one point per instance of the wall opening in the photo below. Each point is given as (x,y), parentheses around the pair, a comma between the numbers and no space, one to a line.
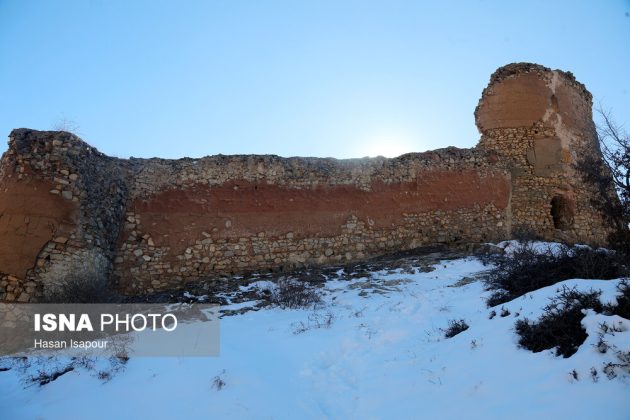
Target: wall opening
(562,212)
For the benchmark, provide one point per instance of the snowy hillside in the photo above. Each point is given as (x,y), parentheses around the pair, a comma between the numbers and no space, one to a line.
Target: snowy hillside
(373,348)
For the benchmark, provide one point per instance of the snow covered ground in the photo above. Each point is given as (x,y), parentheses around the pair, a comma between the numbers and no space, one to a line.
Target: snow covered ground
(373,349)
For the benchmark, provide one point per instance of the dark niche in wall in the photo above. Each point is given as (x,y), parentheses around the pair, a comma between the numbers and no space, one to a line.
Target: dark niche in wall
(562,212)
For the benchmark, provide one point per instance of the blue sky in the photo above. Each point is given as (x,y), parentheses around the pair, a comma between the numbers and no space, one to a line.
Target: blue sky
(318,78)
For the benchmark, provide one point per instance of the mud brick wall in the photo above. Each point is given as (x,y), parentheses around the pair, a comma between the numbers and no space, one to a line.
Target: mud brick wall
(157,224)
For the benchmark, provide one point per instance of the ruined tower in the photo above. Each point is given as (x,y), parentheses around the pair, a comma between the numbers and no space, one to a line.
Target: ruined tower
(156,224)
(539,121)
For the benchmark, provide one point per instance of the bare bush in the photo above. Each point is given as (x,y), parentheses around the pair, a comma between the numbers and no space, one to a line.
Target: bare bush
(83,280)
(527,269)
(611,178)
(455,327)
(45,377)
(294,294)
(622,308)
(218,383)
(315,321)
(622,366)
(66,124)
(560,326)
(42,370)
(80,289)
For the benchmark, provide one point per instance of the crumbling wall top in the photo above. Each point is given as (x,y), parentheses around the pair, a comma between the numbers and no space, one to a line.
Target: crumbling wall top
(525,94)
(515,69)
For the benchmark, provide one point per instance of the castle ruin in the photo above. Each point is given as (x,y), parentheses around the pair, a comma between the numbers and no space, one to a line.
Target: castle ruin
(156,224)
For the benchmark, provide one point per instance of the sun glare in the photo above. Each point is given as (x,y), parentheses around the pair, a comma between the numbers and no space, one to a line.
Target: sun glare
(388,146)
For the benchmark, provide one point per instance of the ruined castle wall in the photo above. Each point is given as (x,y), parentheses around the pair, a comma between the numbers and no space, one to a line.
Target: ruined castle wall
(160,223)
(190,219)
(157,224)
(61,205)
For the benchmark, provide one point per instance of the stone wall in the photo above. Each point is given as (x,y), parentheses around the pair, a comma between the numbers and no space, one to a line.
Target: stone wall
(157,224)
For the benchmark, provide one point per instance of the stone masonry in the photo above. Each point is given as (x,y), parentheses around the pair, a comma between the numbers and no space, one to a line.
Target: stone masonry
(156,224)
